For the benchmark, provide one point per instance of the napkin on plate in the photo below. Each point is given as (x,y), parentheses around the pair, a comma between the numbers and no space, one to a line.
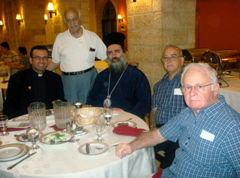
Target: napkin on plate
(127,130)
(56,128)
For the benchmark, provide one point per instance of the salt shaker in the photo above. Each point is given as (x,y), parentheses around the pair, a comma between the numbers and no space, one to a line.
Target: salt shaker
(68,128)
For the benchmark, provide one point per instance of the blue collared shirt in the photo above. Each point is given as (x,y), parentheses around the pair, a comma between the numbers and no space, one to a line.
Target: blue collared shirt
(167,98)
(209,142)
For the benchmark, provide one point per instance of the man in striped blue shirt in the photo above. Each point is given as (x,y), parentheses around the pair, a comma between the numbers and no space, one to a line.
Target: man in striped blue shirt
(168,100)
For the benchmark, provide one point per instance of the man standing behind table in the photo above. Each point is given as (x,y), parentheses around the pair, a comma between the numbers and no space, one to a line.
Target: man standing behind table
(75,50)
(167,99)
(33,85)
(208,130)
(120,85)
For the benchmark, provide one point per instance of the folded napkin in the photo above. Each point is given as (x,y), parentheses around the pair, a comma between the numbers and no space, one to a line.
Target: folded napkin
(14,129)
(56,128)
(127,130)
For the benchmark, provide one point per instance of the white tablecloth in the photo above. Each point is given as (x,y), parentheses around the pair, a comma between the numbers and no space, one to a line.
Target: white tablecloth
(65,161)
(231,93)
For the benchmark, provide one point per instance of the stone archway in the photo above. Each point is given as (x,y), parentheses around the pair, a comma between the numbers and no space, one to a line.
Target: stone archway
(100,4)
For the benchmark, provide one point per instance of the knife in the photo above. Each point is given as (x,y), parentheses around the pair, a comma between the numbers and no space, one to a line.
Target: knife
(29,155)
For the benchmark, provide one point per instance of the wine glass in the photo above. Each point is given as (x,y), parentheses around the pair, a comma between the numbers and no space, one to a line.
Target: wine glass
(3,124)
(33,135)
(98,128)
(107,114)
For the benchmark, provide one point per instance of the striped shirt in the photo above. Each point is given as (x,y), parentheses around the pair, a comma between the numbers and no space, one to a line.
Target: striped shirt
(209,142)
(10,57)
(167,98)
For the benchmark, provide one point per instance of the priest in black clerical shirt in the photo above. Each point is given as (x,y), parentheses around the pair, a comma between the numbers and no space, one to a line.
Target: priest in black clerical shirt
(33,85)
(120,85)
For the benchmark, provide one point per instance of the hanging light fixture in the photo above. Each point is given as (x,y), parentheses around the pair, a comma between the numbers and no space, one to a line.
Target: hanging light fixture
(120,19)
(19,18)
(45,18)
(51,9)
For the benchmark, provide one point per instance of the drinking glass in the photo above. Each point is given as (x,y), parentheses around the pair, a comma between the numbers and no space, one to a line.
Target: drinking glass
(33,135)
(107,114)
(98,128)
(3,124)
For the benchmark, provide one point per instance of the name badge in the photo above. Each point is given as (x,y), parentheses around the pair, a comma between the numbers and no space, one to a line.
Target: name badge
(177,91)
(207,135)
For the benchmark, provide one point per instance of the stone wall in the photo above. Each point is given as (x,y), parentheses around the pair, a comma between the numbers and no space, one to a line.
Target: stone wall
(33,30)
(153,24)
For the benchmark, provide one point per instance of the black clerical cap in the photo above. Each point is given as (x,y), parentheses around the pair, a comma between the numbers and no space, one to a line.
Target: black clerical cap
(114,38)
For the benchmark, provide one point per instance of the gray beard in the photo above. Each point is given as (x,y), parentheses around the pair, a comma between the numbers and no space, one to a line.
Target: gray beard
(117,67)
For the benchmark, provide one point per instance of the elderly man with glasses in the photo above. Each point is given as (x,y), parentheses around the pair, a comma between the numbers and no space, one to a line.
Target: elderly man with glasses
(168,100)
(208,130)
(33,85)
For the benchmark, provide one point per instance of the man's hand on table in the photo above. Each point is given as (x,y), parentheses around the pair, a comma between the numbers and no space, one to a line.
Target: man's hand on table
(123,149)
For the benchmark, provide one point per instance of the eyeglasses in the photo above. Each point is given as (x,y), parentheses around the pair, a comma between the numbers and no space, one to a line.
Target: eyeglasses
(198,88)
(172,58)
(40,57)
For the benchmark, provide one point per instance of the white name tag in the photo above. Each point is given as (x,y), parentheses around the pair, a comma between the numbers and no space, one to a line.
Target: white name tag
(207,135)
(177,91)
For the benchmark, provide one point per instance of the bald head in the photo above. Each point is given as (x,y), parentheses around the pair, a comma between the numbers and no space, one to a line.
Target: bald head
(72,18)
(72,10)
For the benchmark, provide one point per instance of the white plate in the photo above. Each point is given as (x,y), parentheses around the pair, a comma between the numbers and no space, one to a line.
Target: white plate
(20,139)
(18,124)
(20,118)
(57,136)
(12,151)
(129,123)
(95,148)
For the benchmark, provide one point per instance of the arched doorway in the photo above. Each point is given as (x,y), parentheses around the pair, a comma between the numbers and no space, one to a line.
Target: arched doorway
(109,19)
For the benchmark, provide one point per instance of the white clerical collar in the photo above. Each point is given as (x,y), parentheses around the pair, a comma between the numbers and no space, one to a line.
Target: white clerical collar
(40,75)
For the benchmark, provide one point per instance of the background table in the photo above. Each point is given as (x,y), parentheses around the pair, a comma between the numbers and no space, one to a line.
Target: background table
(231,93)
(65,161)
(3,88)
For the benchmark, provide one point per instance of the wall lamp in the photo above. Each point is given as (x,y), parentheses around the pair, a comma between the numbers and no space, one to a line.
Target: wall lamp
(19,18)
(45,18)
(1,23)
(51,10)
(120,19)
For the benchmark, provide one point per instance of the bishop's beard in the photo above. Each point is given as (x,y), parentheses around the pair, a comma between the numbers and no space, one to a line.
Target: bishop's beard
(117,66)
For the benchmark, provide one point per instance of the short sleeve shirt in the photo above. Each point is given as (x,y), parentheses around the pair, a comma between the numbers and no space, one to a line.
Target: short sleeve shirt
(77,54)
(209,142)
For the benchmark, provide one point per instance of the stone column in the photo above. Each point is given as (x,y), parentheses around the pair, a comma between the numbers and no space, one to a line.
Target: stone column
(153,24)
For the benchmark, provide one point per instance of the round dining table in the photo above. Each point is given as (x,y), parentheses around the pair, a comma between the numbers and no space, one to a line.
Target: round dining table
(65,160)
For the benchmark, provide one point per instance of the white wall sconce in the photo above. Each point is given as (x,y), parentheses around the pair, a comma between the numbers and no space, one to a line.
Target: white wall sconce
(1,24)
(45,18)
(19,18)
(120,19)
(51,9)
